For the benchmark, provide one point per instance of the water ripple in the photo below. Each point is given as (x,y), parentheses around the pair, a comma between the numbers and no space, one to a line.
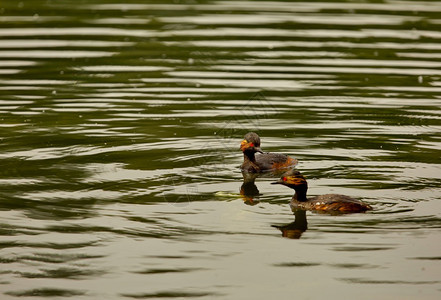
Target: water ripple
(120,129)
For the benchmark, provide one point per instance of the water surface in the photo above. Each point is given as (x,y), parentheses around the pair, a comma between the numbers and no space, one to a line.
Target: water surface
(119,136)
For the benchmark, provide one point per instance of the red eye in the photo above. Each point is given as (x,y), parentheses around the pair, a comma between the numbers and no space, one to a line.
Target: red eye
(251,145)
(284,178)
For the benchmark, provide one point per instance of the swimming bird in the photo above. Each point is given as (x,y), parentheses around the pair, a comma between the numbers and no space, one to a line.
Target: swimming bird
(262,162)
(323,203)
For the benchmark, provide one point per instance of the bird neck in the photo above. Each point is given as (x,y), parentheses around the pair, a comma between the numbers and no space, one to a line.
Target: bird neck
(249,162)
(250,156)
(300,194)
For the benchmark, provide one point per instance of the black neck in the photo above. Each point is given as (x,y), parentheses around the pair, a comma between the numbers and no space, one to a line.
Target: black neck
(249,155)
(250,161)
(300,194)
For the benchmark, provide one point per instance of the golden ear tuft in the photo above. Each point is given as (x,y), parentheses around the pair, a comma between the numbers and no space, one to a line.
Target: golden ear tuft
(295,180)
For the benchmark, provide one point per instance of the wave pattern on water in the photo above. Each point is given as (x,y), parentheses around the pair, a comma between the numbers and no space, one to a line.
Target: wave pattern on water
(119,136)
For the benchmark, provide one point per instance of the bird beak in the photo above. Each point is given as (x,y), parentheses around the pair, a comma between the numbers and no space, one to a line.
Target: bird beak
(246,145)
(280,181)
(243,145)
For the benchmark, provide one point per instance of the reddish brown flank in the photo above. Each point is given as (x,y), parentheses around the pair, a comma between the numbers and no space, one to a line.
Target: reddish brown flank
(345,207)
(290,162)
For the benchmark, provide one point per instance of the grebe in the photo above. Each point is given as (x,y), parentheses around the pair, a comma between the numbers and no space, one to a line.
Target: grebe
(262,162)
(324,203)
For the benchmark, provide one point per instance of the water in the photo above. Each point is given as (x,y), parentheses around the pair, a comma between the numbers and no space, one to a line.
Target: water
(120,128)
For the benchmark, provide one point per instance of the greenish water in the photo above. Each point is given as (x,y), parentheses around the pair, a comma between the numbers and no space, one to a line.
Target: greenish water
(120,125)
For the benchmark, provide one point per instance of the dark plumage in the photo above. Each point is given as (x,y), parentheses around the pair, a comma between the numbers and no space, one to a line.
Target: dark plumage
(325,203)
(262,162)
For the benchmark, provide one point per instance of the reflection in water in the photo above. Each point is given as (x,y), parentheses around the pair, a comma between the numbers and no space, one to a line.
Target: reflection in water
(248,190)
(250,195)
(294,229)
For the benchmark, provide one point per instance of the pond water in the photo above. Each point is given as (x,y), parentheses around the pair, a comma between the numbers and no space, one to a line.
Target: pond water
(119,146)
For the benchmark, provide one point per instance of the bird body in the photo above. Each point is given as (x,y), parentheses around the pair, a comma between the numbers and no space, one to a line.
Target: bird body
(262,162)
(323,203)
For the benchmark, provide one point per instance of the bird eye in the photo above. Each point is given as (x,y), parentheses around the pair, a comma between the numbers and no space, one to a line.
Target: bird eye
(284,179)
(251,145)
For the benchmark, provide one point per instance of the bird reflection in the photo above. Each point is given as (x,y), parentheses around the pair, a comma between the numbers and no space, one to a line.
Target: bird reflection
(248,190)
(250,195)
(294,230)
